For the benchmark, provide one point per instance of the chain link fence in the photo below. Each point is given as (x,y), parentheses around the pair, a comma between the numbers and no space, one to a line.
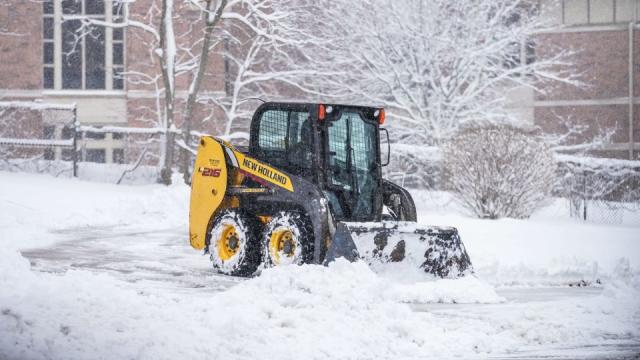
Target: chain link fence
(41,137)
(34,134)
(604,191)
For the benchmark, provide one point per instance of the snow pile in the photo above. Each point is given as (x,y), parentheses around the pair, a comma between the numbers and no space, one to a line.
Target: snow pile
(468,289)
(550,249)
(305,308)
(340,311)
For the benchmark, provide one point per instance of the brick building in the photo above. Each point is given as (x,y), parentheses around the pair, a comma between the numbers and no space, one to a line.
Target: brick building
(38,62)
(606,38)
(43,59)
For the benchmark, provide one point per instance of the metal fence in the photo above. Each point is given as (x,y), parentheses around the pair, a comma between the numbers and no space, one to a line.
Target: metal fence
(33,131)
(47,138)
(604,191)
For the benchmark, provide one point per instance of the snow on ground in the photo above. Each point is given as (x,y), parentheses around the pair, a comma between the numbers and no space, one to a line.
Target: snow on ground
(106,272)
(549,249)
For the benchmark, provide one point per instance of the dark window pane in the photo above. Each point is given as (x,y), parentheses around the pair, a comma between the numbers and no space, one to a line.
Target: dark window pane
(71,55)
(67,132)
(71,6)
(47,82)
(118,56)
(512,56)
(47,28)
(49,154)
(94,135)
(118,79)
(530,52)
(118,156)
(94,7)
(95,155)
(118,34)
(49,131)
(67,154)
(117,8)
(117,136)
(95,59)
(47,6)
(47,53)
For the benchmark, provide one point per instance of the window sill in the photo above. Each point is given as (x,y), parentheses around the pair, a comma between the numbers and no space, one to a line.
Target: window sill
(85,93)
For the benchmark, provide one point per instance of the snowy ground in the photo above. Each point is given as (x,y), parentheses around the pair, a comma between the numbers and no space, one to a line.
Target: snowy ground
(97,271)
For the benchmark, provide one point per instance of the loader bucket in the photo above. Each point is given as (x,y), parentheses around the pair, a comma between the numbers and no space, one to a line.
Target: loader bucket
(436,250)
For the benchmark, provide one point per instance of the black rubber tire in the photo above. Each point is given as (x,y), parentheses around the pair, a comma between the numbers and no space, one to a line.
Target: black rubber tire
(303,235)
(248,258)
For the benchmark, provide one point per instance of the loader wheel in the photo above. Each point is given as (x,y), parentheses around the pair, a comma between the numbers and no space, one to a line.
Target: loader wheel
(234,244)
(287,239)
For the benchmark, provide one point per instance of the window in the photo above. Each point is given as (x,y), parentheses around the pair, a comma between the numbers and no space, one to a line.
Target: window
(353,148)
(118,156)
(47,45)
(81,56)
(273,130)
(94,135)
(117,48)
(580,12)
(49,132)
(519,54)
(285,139)
(95,155)
(67,154)
(67,132)
(281,130)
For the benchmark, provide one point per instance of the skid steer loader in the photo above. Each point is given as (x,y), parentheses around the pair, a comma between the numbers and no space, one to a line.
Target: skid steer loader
(309,189)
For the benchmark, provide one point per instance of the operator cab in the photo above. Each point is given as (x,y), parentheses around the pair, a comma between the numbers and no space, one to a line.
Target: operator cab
(337,147)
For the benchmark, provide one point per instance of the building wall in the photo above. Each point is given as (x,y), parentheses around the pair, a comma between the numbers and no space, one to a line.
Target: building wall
(21,47)
(597,32)
(23,59)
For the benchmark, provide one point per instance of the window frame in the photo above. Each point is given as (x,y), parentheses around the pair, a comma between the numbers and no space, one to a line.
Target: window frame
(111,81)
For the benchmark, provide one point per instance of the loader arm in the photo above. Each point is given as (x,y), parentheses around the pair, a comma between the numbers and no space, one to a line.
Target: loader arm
(208,188)
(399,202)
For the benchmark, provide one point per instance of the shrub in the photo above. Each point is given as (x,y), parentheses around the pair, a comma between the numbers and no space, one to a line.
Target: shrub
(499,171)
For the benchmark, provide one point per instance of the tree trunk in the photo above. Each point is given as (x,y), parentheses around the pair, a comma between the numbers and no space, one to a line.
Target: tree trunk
(210,23)
(167,63)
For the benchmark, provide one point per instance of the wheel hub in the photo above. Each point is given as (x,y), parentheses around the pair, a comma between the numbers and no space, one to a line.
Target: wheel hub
(281,243)
(228,244)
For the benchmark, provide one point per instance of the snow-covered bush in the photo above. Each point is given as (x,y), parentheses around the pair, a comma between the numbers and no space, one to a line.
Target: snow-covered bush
(499,171)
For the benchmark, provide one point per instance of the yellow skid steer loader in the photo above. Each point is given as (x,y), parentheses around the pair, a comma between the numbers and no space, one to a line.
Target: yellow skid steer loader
(309,189)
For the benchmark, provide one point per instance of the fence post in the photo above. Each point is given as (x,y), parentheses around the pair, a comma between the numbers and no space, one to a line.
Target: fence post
(75,141)
(584,195)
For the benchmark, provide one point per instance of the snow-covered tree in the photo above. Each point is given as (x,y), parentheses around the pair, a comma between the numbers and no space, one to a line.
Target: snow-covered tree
(180,48)
(435,65)
(151,23)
